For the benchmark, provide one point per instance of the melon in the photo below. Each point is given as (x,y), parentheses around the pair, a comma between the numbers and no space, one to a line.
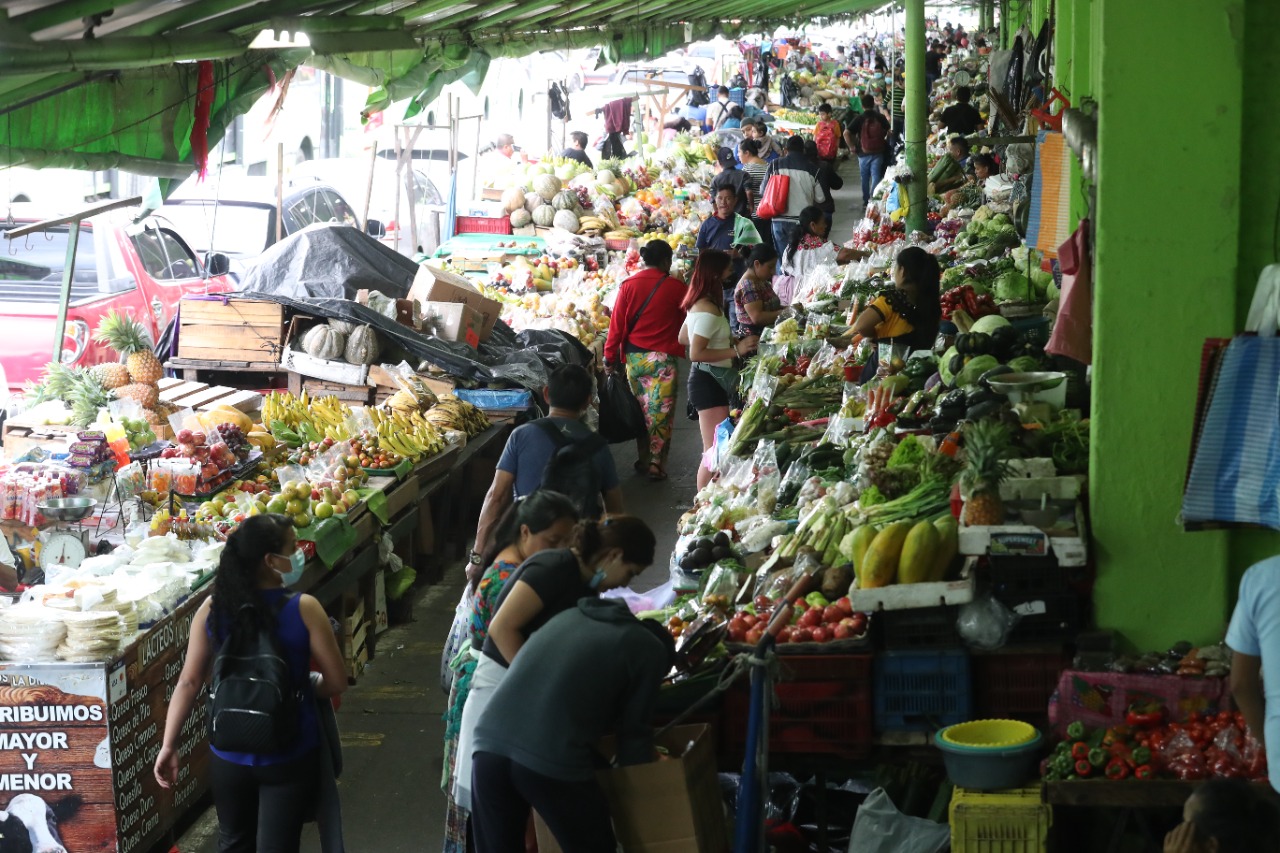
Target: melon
(605,176)
(547,185)
(520,218)
(566,219)
(513,199)
(623,187)
(565,200)
(533,201)
(362,346)
(324,342)
(566,171)
(545,215)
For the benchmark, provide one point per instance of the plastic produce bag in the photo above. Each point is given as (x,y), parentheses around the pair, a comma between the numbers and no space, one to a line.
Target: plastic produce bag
(881,828)
(621,418)
(985,623)
(459,636)
(744,232)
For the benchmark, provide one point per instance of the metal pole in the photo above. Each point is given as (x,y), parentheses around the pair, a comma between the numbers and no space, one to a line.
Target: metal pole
(368,188)
(279,191)
(68,274)
(917,115)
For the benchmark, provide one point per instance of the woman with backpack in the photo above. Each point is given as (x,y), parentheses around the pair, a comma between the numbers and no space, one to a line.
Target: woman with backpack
(538,522)
(264,784)
(643,341)
(604,554)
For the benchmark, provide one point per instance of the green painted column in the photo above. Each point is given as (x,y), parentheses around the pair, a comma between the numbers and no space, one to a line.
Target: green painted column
(1072,76)
(1166,278)
(916,106)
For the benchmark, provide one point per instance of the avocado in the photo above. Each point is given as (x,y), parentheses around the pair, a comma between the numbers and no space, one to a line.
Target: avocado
(722,538)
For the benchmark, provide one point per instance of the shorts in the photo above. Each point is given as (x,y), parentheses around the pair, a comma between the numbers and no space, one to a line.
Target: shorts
(704,391)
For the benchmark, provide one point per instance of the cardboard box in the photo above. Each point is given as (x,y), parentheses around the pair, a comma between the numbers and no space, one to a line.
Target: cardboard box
(665,806)
(452,321)
(405,314)
(437,285)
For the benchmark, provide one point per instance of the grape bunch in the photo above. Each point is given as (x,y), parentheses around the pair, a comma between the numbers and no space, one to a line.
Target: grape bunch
(233,437)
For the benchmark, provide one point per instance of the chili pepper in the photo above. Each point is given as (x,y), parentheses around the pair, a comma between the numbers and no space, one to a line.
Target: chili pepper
(1080,751)
(1141,755)
(1098,757)
(1144,771)
(1117,769)
(1075,731)
(1084,768)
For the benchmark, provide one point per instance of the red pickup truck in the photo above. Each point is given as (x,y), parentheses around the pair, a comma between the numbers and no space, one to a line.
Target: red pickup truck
(137,269)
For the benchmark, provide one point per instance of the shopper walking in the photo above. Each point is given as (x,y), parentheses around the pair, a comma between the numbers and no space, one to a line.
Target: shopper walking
(529,449)
(604,554)
(804,189)
(717,232)
(713,379)
(729,175)
(262,799)
(539,522)
(868,135)
(591,671)
(830,181)
(718,113)
(643,341)
(755,302)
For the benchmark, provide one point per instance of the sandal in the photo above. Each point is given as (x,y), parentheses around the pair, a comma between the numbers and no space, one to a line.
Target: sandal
(656,473)
(640,467)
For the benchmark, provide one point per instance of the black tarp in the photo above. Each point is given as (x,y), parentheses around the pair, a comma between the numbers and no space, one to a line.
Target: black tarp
(317,272)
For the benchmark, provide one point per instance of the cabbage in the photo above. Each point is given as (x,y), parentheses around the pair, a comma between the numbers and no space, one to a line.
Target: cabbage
(988,324)
(1024,364)
(1042,280)
(973,371)
(1012,286)
(1051,292)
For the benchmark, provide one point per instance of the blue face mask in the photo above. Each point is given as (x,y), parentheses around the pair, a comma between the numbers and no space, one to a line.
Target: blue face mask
(596,579)
(297,562)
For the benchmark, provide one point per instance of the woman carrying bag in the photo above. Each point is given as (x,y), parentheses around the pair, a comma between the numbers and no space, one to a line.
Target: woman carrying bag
(643,340)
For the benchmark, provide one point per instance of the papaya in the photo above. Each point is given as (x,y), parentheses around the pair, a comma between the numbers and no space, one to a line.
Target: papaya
(230,415)
(862,539)
(948,547)
(919,553)
(880,564)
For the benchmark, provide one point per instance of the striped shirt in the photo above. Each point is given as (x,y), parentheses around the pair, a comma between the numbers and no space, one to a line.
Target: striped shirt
(757,173)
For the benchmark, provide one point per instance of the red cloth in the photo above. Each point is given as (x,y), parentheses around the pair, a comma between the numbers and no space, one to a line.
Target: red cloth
(617,116)
(659,326)
(1073,330)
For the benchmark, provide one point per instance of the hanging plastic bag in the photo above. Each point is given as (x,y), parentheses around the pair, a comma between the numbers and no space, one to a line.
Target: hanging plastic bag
(985,623)
(881,828)
(621,418)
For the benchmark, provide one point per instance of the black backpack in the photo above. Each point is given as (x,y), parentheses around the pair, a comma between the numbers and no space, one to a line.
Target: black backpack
(698,97)
(253,703)
(571,470)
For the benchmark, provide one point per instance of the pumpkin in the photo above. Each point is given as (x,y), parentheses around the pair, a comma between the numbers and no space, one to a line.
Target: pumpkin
(566,219)
(547,185)
(342,326)
(362,346)
(324,341)
(520,218)
(533,201)
(513,199)
(545,215)
(605,176)
(565,200)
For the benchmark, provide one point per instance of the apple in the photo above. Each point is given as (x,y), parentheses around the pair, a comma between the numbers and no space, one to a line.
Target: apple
(763,603)
(820,635)
(832,614)
(811,619)
(802,635)
(754,635)
(785,635)
(845,605)
(842,632)
(750,620)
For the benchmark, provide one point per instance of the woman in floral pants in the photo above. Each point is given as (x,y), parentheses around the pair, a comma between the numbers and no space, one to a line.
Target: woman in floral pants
(652,376)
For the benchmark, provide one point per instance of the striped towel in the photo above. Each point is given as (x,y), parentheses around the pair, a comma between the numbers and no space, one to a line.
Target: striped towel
(1049,220)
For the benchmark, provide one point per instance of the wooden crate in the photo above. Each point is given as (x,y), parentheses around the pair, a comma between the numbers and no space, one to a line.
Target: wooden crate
(361,395)
(21,438)
(402,496)
(356,632)
(201,396)
(230,329)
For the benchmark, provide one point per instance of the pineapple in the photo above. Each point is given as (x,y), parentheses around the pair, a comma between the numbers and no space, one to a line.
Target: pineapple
(154,418)
(128,337)
(85,397)
(987,447)
(112,375)
(146,396)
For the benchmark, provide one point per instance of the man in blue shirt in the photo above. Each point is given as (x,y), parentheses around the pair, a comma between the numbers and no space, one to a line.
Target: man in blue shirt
(1254,639)
(529,448)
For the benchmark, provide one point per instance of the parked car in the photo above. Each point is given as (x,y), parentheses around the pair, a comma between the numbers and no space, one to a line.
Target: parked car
(142,270)
(430,156)
(350,176)
(236,216)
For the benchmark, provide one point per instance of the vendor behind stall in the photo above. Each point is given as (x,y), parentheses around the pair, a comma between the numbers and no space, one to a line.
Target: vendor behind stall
(810,247)
(911,312)
(950,171)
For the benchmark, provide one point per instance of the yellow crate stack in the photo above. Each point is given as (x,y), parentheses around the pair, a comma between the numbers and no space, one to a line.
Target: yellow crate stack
(1008,821)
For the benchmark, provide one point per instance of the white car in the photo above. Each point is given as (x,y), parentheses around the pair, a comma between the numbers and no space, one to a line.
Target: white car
(350,176)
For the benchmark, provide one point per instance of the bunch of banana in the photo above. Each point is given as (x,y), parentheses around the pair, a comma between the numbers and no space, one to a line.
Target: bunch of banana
(402,401)
(605,210)
(621,234)
(409,434)
(305,417)
(458,415)
(592,224)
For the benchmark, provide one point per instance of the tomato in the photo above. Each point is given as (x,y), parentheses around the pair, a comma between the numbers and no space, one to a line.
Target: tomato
(1226,717)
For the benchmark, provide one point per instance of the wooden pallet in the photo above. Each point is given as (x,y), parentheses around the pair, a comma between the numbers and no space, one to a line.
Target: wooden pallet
(362,395)
(202,397)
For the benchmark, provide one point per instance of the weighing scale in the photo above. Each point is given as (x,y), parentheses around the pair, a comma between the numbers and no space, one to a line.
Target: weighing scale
(63,546)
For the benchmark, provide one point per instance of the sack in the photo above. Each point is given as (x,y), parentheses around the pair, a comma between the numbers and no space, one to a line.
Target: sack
(874,133)
(459,637)
(827,140)
(571,470)
(253,702)
(621,418)
(773,200)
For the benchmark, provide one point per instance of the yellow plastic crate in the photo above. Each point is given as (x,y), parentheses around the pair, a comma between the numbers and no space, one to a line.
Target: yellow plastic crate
(1009,821)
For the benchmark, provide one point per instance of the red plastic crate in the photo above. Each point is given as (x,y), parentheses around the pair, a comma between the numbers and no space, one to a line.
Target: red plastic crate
(1017,685)
(482,225)
(824,709)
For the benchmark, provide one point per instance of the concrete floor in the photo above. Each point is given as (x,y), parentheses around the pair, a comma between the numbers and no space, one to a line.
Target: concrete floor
(392,731)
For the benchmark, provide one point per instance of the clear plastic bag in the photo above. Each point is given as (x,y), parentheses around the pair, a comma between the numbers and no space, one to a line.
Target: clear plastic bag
(881,828)
(985,623)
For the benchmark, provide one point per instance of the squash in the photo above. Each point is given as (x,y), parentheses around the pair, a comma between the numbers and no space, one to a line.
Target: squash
(264,441)
(565,200)
(605,176)
(547,185)
(881,561)
(344,327)
(862,539)
(545,215)
(919,553)
(324,341)
(362,346)
(566,219)
(948,547)
(533,201)
(520,218)
(513,199)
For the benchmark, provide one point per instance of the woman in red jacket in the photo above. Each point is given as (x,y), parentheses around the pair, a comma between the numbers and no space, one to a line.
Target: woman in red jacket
(644,340)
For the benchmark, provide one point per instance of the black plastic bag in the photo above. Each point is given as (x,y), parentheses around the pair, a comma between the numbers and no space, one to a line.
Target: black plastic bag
(621,418)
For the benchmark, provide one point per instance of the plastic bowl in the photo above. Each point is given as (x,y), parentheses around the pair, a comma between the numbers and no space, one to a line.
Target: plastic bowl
(986,734)
(988,768)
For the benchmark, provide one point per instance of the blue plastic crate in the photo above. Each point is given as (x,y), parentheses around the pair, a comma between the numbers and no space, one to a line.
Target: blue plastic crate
(922,691)
(487,399)
(738,96)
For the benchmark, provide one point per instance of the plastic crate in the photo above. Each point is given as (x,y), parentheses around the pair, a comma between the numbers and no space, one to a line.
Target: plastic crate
(824,708)
(921,691)
(482,225)
(1009,821)
(738,96)
(1020,576)
(917,628)
(1058,616)
(1017,685)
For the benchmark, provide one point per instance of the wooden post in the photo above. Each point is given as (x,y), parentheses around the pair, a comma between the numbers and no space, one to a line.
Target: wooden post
(368,189)
(399,165)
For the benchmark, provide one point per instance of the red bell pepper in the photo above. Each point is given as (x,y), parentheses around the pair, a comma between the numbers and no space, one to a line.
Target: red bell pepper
(1144,771)
(1084,768)
(1117,769)
(1144,716)
(1080,751)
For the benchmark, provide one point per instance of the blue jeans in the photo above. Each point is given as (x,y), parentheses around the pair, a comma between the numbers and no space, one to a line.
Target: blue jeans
(872,168)
(783,230)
